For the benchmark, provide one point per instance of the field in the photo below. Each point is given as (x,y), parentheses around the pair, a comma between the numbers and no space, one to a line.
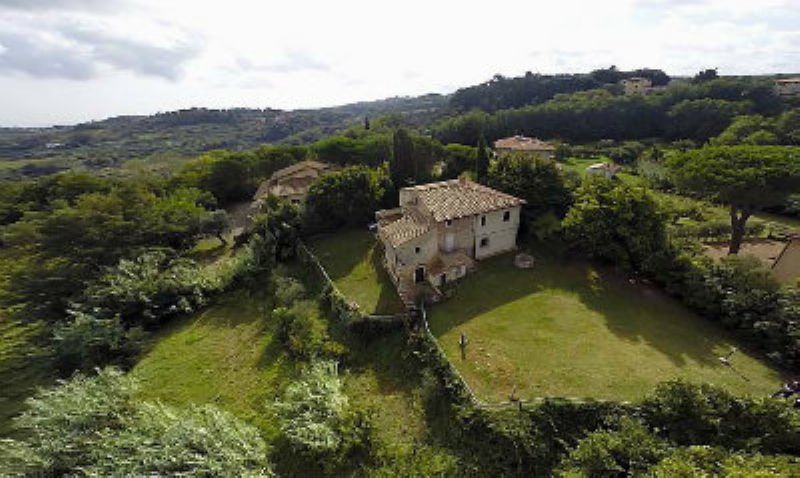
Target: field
(228,355)
(573,330)
(354,263)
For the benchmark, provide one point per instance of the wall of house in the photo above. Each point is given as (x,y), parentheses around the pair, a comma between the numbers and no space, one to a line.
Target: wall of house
(500,235)
(788,89)
(786,269)
(463,235)
(406,258)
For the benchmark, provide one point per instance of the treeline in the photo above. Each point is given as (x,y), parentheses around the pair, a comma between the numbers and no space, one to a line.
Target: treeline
(532,88)
(696,111)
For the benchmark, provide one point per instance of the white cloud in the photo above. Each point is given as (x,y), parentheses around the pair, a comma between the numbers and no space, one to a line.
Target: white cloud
(89,60)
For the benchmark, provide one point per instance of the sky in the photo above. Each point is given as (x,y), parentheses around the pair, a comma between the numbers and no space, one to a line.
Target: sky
(69,61)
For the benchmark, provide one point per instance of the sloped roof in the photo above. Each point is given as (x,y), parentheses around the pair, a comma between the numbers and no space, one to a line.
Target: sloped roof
(410,226)
(295,168)
(459,198)
(267,186)
(523,143)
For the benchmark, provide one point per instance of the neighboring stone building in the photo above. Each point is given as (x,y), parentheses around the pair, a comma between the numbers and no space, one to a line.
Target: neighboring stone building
(603,169)
(441,229)
(525,145)
(788,86)
(786,268)
(292,183)
(636,85)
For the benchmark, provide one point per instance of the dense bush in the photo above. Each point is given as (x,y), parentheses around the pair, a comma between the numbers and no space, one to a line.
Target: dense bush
(147,289)
(96,426)
(613,221)
(628,451)
(317,422)
(538,181)
(86,341)
(347,197)
(304,333)
(689,414)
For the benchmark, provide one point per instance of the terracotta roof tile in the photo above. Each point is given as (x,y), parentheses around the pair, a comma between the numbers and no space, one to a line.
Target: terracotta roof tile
(459,198)
(523,143)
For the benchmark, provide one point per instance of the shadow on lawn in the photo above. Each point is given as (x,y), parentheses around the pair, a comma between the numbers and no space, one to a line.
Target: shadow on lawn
(632,312)
(342,253)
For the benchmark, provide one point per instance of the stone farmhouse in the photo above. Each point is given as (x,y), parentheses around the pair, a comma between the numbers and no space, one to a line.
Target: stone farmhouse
(606,170)
(440,230)
(788,86)
(786,268)
(524,144)
(292,182)
(636,86)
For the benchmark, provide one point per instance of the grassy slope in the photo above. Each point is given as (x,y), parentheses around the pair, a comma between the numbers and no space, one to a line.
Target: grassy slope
(573,330)
(354,263)
(226,355)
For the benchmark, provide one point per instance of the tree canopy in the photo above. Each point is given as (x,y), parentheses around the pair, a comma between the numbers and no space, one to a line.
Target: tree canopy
(745,178)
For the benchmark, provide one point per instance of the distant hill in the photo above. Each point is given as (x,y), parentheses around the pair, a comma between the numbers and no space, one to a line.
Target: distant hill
(178,134)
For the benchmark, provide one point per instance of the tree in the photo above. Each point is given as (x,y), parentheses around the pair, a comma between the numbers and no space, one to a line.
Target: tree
(402,167)
(702,119)
(481,161)
(613,221)
(216,224)
(350,196)
(629,451)
(706,75)
(536,180)
(282,221)
(745,178)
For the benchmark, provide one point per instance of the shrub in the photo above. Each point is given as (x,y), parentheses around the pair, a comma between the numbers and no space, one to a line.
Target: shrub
(304,333)
(707,461)
(689,414)
(316,421)
(85,342)
(95,426)
(615,222)
(628,451)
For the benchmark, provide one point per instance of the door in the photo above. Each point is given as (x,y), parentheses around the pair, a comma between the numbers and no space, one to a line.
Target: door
(449,242)
(419,274)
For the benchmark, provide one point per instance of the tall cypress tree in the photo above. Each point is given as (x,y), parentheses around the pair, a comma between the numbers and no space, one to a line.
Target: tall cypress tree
(402,166)
(481,161)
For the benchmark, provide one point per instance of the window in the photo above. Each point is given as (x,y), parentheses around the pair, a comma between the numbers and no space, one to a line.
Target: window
(506,216)
(485,242)
(483,220)
(416,250)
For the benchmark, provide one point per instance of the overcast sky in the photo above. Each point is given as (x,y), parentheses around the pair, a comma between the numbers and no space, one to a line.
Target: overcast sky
(66,61)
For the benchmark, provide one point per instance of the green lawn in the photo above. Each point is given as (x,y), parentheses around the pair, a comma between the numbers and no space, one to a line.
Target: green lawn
(353,261)
(226,355)
(572,330)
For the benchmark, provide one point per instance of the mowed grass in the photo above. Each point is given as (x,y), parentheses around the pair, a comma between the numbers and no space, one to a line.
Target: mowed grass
(226,355)
(353,261)
(573,330)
